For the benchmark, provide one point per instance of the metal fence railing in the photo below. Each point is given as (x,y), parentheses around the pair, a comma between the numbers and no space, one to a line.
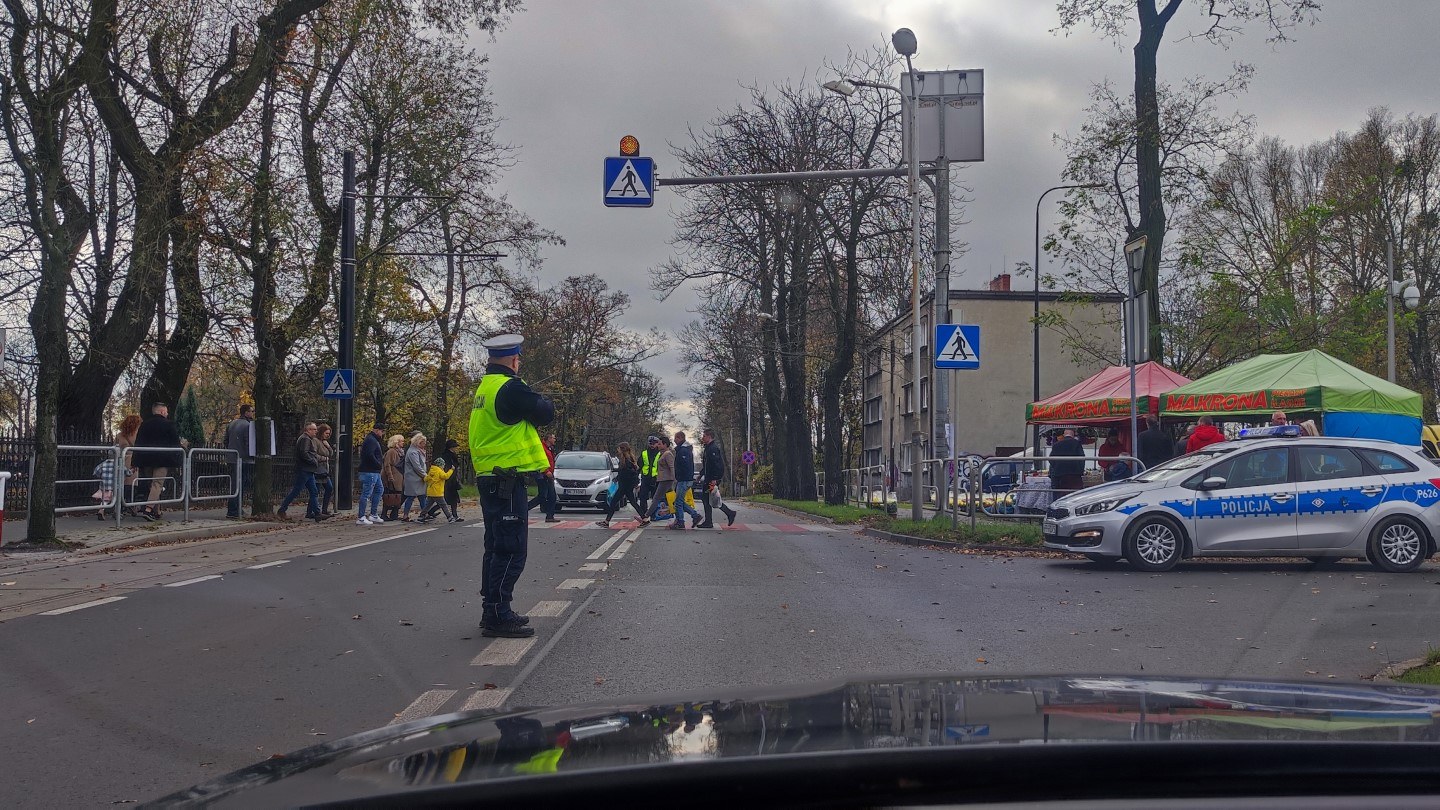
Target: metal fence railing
(4,484)
(1007,487)
(211,474)
(89,479)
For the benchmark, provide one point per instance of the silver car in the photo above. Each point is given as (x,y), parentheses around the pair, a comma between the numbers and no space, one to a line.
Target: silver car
(1321,498)
(582,478)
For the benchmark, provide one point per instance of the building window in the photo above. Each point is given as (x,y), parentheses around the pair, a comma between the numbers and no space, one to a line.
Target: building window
(906,406)
(872,411)
(924,393)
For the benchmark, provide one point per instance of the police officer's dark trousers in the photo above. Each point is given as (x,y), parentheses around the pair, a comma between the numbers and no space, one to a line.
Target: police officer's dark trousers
(503,505)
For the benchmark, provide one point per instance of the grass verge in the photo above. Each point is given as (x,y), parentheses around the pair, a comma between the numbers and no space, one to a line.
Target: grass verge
(1428,673)
(1009,533)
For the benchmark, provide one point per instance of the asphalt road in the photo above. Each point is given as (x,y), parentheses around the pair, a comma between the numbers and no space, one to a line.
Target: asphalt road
(222,655)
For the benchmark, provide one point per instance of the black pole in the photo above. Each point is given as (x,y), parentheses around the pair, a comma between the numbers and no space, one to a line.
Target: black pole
(345,431)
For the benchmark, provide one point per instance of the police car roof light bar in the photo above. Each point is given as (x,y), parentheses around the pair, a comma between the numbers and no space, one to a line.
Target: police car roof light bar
(1272,432)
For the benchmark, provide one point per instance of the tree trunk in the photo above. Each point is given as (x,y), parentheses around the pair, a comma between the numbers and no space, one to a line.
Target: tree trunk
(1147,148)
(176,357)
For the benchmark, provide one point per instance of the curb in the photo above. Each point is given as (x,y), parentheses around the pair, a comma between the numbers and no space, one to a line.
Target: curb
(788,511)
(185,535)
(1390,673)
(909,540)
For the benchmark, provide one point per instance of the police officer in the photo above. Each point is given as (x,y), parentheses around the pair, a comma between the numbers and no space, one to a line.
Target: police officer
(507,450)
(649,472)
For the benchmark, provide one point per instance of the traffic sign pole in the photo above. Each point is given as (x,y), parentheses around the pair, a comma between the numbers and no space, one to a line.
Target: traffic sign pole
(345,428)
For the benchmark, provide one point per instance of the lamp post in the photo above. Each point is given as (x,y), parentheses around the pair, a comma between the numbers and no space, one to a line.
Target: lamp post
(1404,289)
(1035,321)
(748,448)
(1135,262)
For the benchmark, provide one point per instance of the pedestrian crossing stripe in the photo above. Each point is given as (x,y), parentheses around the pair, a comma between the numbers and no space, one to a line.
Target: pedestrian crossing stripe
(338,387)
(628,183)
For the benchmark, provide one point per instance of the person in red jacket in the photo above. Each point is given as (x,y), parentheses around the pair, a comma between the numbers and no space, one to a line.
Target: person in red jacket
(1205,435)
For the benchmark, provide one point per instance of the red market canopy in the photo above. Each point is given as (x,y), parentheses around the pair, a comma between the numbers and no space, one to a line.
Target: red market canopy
(1105,397)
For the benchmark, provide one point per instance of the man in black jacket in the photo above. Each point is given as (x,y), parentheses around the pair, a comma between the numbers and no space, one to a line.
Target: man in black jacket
(237,438)
(712,472)
(157,431)
(1067,476)
(372,461)
(1155,445)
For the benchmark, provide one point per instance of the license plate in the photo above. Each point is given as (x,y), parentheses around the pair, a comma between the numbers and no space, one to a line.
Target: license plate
(1051,527)
(574,492)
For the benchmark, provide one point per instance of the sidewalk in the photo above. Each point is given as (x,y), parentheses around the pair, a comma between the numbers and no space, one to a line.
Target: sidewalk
(89,534)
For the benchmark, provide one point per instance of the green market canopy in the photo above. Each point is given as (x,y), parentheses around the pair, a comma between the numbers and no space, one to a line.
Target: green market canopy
(1353,402)
(1105,397)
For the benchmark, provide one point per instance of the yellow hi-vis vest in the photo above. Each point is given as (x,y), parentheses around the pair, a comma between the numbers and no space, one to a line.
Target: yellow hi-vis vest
(496,444)
(649,461)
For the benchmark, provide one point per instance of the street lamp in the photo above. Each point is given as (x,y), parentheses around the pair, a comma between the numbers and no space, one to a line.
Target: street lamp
(1405,290)
(748,448)
(906,45)
(1035,321)
(1135,261)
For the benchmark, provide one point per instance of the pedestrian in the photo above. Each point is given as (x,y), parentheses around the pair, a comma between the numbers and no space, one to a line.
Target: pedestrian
(664,481)
(545,496)
(1155,445)
(104,474)
(625,484)
(1067,475)
(649,459)
(1309,428)
(392,477)
(237,438)
(712,472)
(505,448)
(1206,434)
(129,426)
(415,469)
(1279,419)
(307,464)
(160,452)
(1184,441)
(372,461)
(684,481)
(1110,450)
(326,454)
(434,502)
(452,484)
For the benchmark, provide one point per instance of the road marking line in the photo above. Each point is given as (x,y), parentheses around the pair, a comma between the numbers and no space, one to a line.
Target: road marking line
(549,609)
(82,606)
(424,706)
(191,581)
(595,566)
(369,543)
(625,546)
(574,584)
(503,652)
(268,565)
(812,527)
(600,552)
(486,699)
(479,525)
(761,527)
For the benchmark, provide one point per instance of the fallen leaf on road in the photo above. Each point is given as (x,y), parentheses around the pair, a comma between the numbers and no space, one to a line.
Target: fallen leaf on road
(356,616)
(624,638)
(7,583)
(599,681)
(28,722)
(317,734)
(784,607)
(452,590)
(878,567)
(936,603)
(1211,602)
(489,686)
(779,576)
(812,631)
(406,623)
(981,661)
(1311,672)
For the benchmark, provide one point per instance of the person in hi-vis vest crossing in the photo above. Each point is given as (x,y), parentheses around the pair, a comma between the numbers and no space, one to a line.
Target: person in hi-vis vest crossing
(507,450)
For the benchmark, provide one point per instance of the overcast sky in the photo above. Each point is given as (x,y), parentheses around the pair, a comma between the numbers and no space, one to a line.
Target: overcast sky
(572,77)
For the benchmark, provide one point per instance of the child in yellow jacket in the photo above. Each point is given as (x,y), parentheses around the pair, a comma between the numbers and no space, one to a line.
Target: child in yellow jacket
(435,503)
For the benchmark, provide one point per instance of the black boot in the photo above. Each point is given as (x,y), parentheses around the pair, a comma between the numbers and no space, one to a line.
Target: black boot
(509,627)
(729,516)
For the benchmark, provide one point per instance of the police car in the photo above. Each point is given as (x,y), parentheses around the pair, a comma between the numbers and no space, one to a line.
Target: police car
(1272,493)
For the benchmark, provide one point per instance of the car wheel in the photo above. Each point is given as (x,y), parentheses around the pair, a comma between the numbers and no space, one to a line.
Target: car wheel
(1154,544)
(1397,545)
(1102,559)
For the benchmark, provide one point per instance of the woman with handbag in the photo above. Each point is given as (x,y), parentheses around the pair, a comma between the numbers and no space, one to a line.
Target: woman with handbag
(128,428)
(625,484)
(392,477)
(326,452)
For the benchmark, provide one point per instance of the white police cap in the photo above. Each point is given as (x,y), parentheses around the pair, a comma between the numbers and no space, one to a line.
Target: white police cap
(504,345)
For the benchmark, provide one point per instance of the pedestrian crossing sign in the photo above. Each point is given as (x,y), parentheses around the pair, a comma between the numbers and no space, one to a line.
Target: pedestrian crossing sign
(958,346)
(629,182)
(339,383)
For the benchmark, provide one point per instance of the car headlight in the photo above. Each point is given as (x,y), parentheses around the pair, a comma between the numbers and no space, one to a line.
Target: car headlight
(604,480)
(1102,506)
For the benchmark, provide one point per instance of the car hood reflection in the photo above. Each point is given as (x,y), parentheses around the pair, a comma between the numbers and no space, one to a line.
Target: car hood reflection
(848,716)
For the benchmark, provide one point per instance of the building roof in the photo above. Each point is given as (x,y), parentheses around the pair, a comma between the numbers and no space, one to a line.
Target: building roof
(1021,296)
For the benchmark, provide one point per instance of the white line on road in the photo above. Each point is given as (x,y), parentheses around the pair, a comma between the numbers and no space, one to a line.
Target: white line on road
(596,566)
(625,546)
(549,609)
(424,706)
(486,699)
(479,525)
(503,652)
(369,543)
(600,552)
(82,606)
(574,584)
(191,581)
(811,527)
(268,565)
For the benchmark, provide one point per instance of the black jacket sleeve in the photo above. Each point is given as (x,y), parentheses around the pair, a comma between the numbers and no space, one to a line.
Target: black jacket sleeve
(516,402)
(713,468)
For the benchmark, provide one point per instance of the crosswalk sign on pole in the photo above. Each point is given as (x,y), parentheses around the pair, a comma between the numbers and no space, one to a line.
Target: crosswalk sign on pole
(957,346)
(629,182)
(339,383)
